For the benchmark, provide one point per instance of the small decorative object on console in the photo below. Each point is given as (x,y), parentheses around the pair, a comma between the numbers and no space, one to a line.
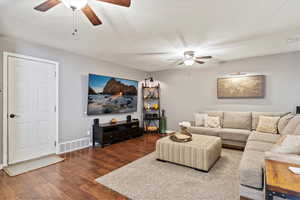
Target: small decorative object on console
(152,128)
(96,121)
(113,120)
(128,118)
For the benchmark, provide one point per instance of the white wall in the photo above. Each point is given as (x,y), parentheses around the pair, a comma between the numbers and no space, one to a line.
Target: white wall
(187,91)
(74,69)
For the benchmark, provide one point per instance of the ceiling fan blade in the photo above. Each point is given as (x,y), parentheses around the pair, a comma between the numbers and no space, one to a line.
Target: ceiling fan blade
(90,14)
(204,57)
(199,62)
(47,5)
(125,3)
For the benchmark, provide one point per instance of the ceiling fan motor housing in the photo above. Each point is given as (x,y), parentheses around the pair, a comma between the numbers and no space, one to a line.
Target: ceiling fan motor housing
(75,4)
(189,54)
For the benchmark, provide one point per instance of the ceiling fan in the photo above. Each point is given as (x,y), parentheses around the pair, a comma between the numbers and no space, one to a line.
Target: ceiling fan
(82,5)
(189,58)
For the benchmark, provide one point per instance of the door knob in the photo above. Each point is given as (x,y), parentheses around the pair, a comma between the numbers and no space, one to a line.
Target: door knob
(12,115)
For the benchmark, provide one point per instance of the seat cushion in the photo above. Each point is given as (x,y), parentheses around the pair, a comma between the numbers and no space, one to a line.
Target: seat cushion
(238,120)
(258,146)
(255,116)
(204,130)
(234,134)
(263,137)
(251,169)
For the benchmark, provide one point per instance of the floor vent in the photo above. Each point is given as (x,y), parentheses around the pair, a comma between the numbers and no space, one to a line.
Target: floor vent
(74,145)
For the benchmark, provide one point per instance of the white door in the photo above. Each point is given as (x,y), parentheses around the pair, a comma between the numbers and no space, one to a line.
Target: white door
(31,109)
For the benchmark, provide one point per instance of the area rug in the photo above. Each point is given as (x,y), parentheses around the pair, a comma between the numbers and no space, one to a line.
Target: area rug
(149,179)
(23,167)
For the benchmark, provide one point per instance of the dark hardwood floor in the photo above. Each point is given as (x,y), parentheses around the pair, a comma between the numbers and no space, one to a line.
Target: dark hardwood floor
(75,177)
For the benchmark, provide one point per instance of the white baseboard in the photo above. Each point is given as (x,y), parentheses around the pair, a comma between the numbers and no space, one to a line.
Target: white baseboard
(1,166)
(74,145)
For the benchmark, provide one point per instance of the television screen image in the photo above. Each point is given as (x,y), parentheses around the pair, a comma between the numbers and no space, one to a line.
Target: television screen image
(109,95)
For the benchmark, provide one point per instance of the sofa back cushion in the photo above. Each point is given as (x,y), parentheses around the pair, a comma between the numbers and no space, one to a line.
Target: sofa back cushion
(291,127)
(216,114)
(255,116)
(283,122)
(237,120)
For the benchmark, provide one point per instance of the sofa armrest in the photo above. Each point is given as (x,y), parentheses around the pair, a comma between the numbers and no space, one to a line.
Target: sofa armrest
(288,158)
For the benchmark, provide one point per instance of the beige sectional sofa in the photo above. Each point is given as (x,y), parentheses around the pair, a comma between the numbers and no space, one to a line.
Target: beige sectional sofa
(239,130)
(235,126)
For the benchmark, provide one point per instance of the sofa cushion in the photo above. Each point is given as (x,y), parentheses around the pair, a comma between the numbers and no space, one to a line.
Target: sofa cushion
(251,169)
(204,131)
(283,122)
(297,131)
(233,143)
(216,114)
(289,145)
(291,127)
(258,146)
(255,116)
(234,134)
(200,119)
(288,158)
(263,137)
(238,120)
(212,122)
(268,124)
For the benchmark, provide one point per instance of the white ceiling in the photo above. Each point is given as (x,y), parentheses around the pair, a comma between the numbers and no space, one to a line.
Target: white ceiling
(227,30)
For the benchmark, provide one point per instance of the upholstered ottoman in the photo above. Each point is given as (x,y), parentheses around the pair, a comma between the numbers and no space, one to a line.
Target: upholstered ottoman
(201,153)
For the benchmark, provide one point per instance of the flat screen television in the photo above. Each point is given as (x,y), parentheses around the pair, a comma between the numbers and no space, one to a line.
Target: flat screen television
(110,95)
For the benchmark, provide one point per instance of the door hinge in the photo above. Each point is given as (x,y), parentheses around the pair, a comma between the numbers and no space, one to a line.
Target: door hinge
(54,108)
(54,74)
(55,143)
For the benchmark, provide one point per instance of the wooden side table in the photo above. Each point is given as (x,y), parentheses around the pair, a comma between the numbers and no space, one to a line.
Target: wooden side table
(281,182)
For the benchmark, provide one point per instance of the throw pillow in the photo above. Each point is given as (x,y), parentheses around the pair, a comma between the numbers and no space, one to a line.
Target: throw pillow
(289,145)
(267,124)
(213,122)
(200,119)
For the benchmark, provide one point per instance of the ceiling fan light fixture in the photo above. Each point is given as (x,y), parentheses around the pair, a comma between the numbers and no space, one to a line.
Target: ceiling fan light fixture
(189,62)
(75,4)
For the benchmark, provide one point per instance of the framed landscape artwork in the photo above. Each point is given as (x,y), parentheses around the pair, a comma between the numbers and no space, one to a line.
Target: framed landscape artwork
(252,86)
(111,95)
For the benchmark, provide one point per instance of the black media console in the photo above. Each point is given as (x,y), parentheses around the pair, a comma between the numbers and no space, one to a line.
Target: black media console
(109,133)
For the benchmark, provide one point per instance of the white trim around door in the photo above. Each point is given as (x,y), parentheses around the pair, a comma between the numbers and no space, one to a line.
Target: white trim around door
(6,55)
